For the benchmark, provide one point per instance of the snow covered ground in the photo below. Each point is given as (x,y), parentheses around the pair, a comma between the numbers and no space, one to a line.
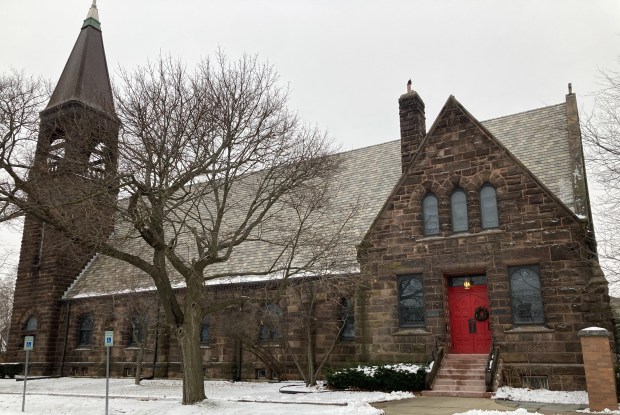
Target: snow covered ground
(542,395)
(79,396)
(75,396)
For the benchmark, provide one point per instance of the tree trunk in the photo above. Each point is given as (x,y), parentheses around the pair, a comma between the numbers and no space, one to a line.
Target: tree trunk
(310,351)
(188,335)
(138,373)
(193,377)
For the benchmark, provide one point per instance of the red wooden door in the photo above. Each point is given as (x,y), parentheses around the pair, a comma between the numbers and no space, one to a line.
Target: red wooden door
(468,334)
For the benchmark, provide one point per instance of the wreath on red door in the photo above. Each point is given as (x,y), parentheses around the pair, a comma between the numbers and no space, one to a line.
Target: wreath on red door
(481,313)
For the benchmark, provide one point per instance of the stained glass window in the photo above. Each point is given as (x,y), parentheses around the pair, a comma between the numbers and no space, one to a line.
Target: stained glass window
(85,333)
(525,295)
(411,301)
(458,205)
(488,207)
(430,215)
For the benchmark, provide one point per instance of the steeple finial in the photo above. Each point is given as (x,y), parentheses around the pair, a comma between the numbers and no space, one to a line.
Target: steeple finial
(92,18)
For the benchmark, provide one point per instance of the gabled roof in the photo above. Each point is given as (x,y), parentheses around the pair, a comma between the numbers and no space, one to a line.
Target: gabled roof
(85,78)
(538,138)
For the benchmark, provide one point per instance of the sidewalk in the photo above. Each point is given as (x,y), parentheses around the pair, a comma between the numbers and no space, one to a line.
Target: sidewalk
(442,405)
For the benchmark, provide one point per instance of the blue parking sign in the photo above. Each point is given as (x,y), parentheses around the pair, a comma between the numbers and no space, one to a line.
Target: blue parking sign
(109,338)
(29,343)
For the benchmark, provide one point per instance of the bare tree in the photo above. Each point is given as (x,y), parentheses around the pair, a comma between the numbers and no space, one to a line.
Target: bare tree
(281,325)
(144,318)
(207,160)
(7,285)
(601,131)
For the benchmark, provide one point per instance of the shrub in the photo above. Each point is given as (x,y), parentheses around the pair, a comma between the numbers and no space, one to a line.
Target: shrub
(10,369)
(382,378)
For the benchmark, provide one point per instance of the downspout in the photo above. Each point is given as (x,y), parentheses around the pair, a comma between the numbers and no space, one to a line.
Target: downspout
(64,346)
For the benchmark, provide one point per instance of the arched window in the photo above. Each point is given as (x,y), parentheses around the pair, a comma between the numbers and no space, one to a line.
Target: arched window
(205,332)
(96,160)
(347,318)
(430,215)
(85,332)
(488,207)
(138,329)
(458,204)
(270,322)
(56,153)
(31,324)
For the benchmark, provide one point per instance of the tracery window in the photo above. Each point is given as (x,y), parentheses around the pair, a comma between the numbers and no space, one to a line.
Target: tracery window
(411,301)
(525,295)
(85,332)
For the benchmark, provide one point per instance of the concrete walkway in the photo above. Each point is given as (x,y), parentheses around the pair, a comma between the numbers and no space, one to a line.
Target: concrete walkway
(442,405)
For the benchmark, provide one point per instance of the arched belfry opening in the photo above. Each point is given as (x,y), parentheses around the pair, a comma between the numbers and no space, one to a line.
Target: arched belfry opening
(75,158)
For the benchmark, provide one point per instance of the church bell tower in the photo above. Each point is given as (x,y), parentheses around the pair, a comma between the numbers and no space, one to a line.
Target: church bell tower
(73,174)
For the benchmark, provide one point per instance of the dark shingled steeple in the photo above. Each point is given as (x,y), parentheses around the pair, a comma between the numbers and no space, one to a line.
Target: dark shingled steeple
(85,78)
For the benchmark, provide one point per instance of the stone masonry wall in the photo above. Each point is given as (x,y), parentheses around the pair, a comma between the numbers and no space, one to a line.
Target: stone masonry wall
(219,355)
(534,230)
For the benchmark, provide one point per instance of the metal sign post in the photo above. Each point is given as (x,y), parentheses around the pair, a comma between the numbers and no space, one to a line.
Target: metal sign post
(108,341)
(28,346)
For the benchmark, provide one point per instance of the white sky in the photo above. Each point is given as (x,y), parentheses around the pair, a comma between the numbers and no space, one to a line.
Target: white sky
(348,61)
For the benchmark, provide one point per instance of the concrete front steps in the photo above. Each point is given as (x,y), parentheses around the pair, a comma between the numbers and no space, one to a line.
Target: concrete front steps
(461,375)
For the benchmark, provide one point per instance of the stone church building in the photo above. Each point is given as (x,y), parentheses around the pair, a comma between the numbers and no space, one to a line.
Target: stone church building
(474,237)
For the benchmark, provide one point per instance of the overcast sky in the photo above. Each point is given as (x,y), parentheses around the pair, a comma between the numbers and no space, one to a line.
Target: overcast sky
(347,61)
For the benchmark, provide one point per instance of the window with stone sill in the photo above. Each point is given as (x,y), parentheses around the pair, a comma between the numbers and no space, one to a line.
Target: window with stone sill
(411,301)
(525,295)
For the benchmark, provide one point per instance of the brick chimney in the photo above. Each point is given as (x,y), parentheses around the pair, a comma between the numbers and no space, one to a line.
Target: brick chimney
(412,124)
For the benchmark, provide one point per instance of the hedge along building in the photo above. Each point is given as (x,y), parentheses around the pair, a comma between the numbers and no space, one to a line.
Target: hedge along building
(473,234)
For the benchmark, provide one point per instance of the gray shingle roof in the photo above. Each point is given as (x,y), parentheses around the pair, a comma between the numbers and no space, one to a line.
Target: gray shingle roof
(538,138)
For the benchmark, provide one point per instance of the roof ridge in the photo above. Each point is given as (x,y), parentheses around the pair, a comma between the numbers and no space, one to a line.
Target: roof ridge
(367,147)
(524,112)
